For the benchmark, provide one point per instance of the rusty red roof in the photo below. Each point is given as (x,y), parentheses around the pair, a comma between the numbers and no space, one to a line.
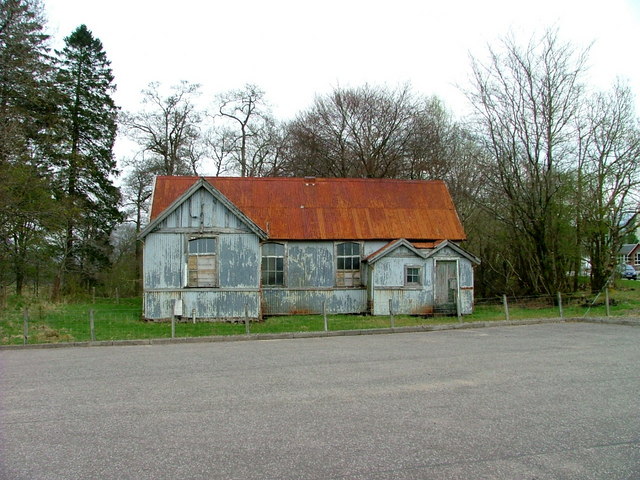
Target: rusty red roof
(331,208)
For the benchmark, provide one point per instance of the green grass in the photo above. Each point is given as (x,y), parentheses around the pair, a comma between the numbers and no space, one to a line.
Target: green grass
(69,322)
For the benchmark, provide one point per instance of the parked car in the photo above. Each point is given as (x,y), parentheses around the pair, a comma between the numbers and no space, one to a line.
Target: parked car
(629,272)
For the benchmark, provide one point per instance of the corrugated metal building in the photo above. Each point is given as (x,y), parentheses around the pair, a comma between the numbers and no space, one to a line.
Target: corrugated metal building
(223,248)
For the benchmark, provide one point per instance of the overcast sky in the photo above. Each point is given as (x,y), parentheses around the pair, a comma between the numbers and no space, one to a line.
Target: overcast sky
(296,49)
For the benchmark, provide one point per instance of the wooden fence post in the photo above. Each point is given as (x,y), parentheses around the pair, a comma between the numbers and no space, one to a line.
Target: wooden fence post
(25,326)
(324,315)
(560,305)
(606,296)
(92,329)
(506,306)
(393,321)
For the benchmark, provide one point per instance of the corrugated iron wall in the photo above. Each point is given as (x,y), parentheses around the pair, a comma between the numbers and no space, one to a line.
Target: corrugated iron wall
(310,301)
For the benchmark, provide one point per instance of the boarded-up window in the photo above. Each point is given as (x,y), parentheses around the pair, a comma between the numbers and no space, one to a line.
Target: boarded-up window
(348,264)
(201,263)
(273,264)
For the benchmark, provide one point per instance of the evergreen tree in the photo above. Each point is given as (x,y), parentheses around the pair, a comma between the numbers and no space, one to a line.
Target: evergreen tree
(85,164)
(27,115)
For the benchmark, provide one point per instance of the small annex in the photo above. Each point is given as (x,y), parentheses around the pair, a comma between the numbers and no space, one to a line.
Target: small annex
(222,248)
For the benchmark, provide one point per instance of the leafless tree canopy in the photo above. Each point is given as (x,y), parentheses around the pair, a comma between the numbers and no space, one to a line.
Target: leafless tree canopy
(167,128)
(542,139)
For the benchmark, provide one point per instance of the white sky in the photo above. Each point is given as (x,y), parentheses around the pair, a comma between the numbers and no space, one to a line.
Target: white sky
(296,49)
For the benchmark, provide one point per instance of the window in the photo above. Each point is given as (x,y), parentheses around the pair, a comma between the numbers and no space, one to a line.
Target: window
(637,258)
(273,264)
(412,276)
(201,262)
(348,268)
(622,259)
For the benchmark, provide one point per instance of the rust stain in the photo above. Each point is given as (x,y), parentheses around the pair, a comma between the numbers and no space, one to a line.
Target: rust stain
(332,208)
(423,310)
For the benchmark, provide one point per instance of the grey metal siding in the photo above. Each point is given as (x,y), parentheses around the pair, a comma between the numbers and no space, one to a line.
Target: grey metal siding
(206,304)
(239,258)
(202,209)
(310,264)
(164,260)
(308,301)
(466,286)
(403,301)
(388,280)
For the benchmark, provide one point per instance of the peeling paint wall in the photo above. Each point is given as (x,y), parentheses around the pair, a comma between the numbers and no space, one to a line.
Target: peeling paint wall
(389,284)
(285,301)
(164,261)
(204,304)
(202,209)
(309,264)
(465,269)
(239,260)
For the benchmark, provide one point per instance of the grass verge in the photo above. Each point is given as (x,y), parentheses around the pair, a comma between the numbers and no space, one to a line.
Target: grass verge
(122,320)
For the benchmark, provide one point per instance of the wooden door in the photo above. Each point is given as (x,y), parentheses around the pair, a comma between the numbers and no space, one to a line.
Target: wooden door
(446,286)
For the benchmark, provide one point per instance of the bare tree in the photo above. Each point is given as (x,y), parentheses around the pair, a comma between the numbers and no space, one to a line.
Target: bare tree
(247,113)
(360,132)
(167,129)
(609,178)
(527,100)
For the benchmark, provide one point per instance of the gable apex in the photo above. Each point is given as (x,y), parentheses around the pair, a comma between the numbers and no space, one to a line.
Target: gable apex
(202,184)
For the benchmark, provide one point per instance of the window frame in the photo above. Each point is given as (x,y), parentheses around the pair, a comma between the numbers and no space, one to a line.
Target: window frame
(346,276)
(637,262)
(418,275)
(276,270)
(199,258)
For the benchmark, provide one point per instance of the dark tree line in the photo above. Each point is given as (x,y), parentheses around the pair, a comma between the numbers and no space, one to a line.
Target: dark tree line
(544,173)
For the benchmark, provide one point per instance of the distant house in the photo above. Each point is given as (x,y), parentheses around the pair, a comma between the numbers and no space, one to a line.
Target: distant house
(223,248)
(630,254)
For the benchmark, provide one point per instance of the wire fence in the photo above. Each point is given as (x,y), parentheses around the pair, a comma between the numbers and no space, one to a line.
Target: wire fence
(122,319)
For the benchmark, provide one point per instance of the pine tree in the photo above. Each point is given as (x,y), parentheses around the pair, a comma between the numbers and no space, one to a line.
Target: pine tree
(85,164)
(27,115)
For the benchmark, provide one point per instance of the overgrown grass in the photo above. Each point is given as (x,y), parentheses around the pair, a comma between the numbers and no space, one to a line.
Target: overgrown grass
(122,320)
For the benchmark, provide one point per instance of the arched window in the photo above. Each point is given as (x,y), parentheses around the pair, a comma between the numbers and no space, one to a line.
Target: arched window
(273,264)
(348,264)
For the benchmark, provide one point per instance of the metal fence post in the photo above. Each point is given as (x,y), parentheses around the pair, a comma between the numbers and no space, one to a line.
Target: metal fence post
(458,307)
(324,315)
(193,315)
(92,326)
(506,306)
(246,318)
(25,327)
(560,305)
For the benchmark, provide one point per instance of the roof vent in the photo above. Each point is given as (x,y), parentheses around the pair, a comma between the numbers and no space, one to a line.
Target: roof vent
(309,180)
